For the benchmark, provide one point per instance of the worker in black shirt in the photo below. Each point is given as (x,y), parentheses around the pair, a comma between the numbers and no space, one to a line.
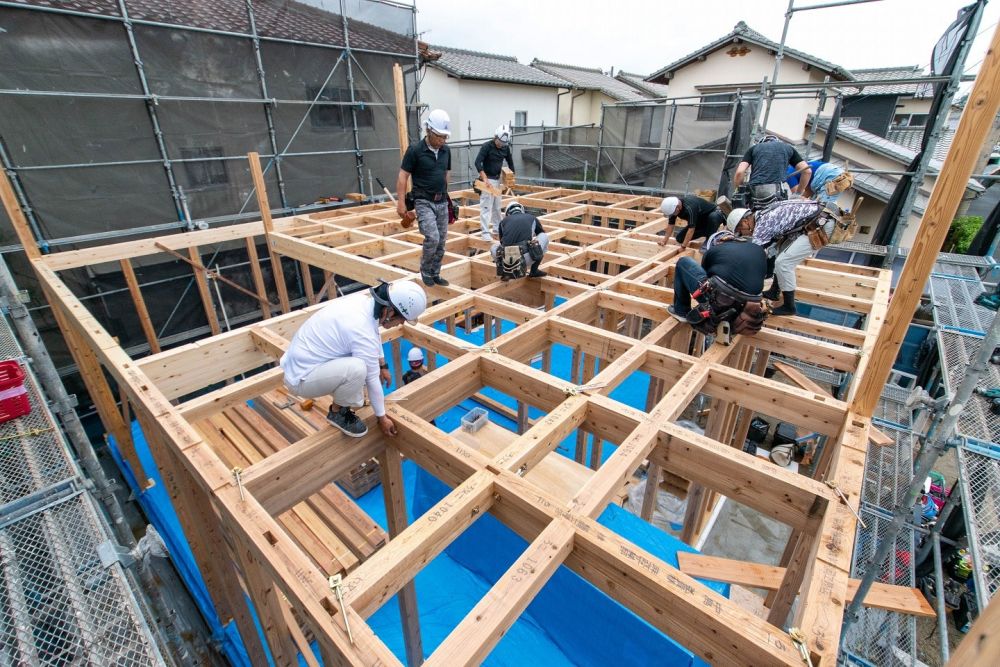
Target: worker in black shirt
(727,286)
(522,244)
(490,160)
(767,162)
(702,216)
(428,163)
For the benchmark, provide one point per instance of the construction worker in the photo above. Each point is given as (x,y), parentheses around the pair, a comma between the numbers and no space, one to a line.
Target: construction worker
(767,162)
(338,351)
(522,244)
(415,359)
(828,181)
(428,164)
(702,216)
(727,286)
(489,161)
(789,232)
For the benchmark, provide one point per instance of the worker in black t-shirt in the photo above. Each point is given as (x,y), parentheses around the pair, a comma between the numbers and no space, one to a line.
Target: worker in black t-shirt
(428,164)
(489,162)
(702,216)
(768,163)
(521,246)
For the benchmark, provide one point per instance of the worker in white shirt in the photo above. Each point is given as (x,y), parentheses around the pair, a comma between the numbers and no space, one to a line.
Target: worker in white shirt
(338,351)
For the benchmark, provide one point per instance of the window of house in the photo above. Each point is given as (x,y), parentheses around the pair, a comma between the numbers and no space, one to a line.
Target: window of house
(910,120)
(336,116)
(205,171)
(520,119)
(711,107)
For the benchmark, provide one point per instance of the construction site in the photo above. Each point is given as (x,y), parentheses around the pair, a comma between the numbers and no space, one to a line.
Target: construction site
(577,477)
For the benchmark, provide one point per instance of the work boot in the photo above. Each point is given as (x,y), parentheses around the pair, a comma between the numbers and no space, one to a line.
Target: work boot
(347,422)
(773,292)
(428,280)
(438,280)
(537,273)
(787,306)
(676,315)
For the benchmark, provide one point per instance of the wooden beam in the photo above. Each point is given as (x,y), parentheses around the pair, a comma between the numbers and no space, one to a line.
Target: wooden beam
(258,277)
(949,189)
(140,306)
(16,215)
(755,575)
(399,93)
(201,281)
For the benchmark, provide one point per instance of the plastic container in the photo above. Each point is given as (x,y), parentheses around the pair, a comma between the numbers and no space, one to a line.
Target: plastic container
(13,394)
(475,419)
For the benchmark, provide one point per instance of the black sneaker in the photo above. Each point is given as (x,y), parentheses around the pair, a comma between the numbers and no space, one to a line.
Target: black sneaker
(537,273)
(438,280)
(347,421)
(428,280)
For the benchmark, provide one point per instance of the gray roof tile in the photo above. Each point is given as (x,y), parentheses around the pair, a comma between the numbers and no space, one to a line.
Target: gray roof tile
(887,73)
(638,81)
(742,32)
(491,67)
(592,79)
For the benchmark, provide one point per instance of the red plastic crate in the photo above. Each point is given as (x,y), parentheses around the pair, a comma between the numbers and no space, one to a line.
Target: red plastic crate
(13,394)
(11,374)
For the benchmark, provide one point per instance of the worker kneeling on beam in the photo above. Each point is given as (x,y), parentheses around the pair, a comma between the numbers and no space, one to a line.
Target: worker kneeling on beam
(522,245)
(338,351)
(726,286)
(790,232)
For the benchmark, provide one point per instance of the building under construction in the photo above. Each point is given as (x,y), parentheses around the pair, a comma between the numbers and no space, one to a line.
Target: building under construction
(571,475)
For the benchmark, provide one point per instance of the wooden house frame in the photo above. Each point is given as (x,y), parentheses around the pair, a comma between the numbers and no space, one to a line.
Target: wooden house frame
(605,297)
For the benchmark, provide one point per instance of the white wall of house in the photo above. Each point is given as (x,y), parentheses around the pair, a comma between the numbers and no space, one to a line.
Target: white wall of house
(747,66)
(485,104)
(580,107)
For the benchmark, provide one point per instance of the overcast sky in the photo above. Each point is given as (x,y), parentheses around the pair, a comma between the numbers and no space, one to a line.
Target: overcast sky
(642,37)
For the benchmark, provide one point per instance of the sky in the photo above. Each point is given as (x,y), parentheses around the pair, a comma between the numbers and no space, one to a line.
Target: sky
(642,37)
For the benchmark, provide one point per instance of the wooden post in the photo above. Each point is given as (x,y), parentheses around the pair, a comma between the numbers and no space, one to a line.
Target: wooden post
(393,493)
(949,188)
(201,281)
(397,363)
(17,219)
(140,306)
(400,93)
(258,277)
(307,283)
(265,215)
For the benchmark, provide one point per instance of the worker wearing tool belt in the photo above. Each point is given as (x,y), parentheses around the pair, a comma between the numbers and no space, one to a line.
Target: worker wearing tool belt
(338,351)
(767,162)
(700,215)
(726,286)
(489,161)
(790,232)
(428,164)
(522,245)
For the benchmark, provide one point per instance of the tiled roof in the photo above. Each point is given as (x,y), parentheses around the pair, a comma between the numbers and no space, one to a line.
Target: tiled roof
(491,67)
(891,149)
(592,79)
(888,73)
(285,20)
(638,81)
(743,33)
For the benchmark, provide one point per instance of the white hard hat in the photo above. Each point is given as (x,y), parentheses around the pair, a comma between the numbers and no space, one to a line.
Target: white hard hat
(415,354)
(669,206)
(514,207)
(408,298)
(735,216)
(439,122)
(503,133)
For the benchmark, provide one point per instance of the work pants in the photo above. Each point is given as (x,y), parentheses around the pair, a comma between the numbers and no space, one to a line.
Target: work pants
(432,220)
(489,210)
(688,275)
(543,241)
(791,256)
(342,378)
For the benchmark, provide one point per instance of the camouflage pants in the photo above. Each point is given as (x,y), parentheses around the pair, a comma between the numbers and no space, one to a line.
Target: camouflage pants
(432,220)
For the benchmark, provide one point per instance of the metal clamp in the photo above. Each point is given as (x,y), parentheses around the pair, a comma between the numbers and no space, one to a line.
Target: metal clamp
(238,478)
(336,585)
(799,640)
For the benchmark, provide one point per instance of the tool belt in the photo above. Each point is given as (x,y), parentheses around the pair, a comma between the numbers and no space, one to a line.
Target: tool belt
(844,229)
(719,302)
(435,197)
(510,261)
(818,237)
(765,194)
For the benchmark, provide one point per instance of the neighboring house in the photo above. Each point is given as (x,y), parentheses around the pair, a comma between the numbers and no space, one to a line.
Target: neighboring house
(483,90)
(895,111)
(864,150)
(739,61)
(588,89)
(638,81)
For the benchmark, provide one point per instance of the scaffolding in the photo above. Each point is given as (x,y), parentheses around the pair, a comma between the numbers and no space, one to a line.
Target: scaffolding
(65,596)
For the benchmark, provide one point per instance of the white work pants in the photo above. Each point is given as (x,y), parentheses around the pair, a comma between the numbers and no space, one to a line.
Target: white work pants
(342,378)
(791,256)
(489,210)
